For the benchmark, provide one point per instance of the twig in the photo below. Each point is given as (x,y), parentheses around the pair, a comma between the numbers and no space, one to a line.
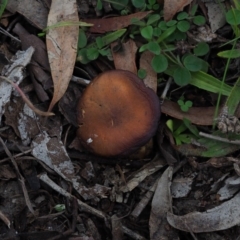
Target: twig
(20,177)
(83,206)
(26,100)
(81,81)
(220,139)
(144,201)
(17,155)
(132,234)
(164,93)
(9,35)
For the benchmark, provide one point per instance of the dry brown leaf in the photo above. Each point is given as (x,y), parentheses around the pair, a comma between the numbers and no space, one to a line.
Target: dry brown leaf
(171,7)
(112,24)
(125,58)
(62,46)
(197,115)
(222,217)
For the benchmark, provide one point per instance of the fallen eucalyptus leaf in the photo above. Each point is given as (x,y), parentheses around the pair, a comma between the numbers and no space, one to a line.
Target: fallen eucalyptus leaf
(219,218)
(62,46)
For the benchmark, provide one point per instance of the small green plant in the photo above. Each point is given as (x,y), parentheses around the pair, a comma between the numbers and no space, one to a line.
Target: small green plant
(160,38)
(142,73)
(233,18)
(59,207)
(90,52)
(145,5)
(184,105)
(182,131)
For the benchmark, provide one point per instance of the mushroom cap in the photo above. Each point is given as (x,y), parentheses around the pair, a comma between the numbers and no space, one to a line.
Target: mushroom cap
(117,114)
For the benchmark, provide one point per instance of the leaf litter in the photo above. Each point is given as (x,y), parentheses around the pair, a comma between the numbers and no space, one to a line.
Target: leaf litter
(94,186)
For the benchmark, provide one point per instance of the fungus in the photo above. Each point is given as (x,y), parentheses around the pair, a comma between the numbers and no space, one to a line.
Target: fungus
(117,114)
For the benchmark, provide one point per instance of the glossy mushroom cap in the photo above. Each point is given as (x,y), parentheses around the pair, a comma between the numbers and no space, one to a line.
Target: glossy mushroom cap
(117,114)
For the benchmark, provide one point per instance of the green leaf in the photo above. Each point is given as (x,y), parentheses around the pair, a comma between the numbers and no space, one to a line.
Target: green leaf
(181,76)
(192,63)
(214,148)
(171,23)
(59,207)
(169,124)
(201,49)
(99,5)
(184,138)
(178,36)
(205,66)
(154,48)
(180,102)
(184,108)
(105,52)
(3,5)
(92,53)
(192,128)
(204,81)
(109,38)
(82,39)
(138,3)
(234,98)
(157,31)
(151,2)
(142,73)
(233,17)
(199,20)
(209,83)
(193,10)
(188,103)
(119,5)
(153,18)
(162,25)
(180,128)
(147,32)
(67,23)
(182,16)
(99,42)
(82,56)
(155,7)
(143,48)
(234,53)
(183,26)
(167,33)
(136,21)
(159,63)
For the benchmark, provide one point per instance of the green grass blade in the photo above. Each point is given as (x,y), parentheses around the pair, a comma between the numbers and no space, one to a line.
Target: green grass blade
(109,38)
(205,81)
(234,98)
(209,83)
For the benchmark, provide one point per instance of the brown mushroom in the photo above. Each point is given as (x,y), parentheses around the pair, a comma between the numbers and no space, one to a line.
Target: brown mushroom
(117,114)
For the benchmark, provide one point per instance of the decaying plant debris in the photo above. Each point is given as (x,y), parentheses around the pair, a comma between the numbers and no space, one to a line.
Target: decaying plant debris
(183,183)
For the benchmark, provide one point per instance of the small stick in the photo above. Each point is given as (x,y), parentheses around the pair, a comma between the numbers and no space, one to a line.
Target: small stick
(217,138)
(83,206)
(20,177)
